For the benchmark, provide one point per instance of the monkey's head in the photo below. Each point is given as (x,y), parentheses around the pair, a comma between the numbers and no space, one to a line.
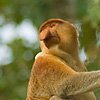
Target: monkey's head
(57,32)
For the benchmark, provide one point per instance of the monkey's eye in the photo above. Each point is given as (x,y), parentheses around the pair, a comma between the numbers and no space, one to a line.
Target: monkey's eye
(52,25)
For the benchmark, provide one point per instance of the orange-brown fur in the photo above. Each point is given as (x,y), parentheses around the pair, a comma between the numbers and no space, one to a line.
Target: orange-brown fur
(58,73)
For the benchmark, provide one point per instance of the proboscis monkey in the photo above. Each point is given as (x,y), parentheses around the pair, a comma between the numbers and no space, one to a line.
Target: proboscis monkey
(58,73)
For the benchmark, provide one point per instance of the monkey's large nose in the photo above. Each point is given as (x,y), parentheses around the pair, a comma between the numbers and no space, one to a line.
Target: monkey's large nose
(47,34)
(44,34)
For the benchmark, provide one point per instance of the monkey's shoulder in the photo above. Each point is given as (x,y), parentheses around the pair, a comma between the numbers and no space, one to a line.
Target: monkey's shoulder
(49,62)
(43,57)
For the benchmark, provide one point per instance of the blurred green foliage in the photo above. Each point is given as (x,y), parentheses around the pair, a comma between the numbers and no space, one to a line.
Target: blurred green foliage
(85,14)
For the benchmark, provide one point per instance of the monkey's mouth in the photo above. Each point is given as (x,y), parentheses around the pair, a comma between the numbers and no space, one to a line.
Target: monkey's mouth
(51,41)
(50,38)
(51,35)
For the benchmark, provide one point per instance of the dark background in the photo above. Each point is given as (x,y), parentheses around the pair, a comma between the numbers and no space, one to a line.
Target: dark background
(17,53)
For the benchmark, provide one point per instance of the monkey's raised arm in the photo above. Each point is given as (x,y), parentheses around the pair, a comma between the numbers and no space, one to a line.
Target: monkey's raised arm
(81,82)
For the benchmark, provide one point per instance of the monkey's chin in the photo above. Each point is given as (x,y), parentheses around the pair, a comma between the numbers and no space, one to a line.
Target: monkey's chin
(51,41)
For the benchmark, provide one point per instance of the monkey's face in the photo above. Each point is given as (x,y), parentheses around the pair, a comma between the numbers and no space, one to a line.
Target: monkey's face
(58,32)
